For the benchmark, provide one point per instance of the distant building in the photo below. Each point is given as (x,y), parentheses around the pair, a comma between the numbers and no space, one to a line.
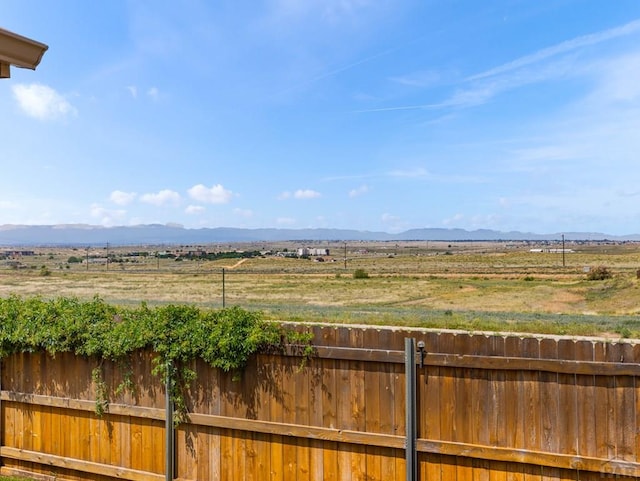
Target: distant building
(306,251)
(552,251)
(18,253)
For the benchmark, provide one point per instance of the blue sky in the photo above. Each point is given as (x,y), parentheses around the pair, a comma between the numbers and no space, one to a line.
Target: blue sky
(360,114)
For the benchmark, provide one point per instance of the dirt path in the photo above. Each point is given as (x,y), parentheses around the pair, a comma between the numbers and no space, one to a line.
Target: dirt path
(237,264)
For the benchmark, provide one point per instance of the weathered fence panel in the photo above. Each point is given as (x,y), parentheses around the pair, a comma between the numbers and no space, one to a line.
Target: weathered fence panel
(489,407)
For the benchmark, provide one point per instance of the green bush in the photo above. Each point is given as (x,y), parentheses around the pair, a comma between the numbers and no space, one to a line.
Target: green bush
(179,334)
(360,274)
(599,273)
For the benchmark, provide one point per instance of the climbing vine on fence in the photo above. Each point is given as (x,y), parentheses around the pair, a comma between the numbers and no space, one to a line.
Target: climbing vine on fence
(177,334)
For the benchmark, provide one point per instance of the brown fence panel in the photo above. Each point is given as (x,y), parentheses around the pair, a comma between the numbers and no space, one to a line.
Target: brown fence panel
(489,407)
(50,427)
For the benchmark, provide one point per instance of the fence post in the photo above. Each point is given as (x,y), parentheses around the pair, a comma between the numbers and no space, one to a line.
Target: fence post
(169,432)
(411,424)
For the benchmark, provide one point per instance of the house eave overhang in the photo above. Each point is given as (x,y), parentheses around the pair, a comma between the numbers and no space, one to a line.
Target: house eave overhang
(18,51)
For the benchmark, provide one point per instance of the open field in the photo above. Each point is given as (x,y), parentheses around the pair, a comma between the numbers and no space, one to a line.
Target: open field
(473,285)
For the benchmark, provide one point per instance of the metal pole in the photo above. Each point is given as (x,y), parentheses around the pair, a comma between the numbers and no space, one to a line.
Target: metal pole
(563,264)
(170,448)
(411,424)
(345,256)
(223,290)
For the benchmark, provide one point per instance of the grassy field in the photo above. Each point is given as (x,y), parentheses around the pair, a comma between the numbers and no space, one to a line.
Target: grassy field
(475,285)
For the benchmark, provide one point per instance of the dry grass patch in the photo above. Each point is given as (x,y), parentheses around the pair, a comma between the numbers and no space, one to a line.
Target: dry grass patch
(408,283)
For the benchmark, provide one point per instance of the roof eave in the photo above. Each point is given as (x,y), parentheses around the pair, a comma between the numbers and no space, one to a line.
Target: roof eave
(19,51)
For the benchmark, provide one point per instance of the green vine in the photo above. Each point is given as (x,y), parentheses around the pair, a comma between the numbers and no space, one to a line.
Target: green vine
(177,334)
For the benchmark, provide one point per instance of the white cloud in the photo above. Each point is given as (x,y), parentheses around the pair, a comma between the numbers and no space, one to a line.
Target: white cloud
(243,212)
(122,198)
(107,217)
(285,221)
(306,194)
(42,102)
(163,197)
(215,194)
(300,194)
(194,209)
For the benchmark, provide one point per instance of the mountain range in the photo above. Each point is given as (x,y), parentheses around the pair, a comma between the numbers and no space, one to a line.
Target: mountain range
(157,234)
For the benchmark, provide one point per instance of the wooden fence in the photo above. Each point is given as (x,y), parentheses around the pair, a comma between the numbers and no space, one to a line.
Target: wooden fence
(488,407)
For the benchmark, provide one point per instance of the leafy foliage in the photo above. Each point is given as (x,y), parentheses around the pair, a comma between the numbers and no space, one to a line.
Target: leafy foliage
(360,274)
(599,273)
(178,334)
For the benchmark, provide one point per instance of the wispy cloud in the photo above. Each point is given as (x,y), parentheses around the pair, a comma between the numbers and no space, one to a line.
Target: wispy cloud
(194,209)
(420,173)
(423,79)
(392,222)
(42,102)
(285,221)
(454,220)
(564,47)
(7,204)
(412,174)
(247,213)
(328,10)
(161,198)
(548,63)
(153,93)
(363,189)
(216,194)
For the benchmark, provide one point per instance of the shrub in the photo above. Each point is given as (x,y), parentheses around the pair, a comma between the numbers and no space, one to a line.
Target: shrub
(599,273)
(178,334)
(360,274)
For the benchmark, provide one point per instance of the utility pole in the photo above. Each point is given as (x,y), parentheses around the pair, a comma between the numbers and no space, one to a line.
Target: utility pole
(563,263)
(345,256)
(223,293)
(87,258)
(107,256)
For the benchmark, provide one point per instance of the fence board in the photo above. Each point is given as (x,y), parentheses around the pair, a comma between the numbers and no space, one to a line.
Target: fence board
(490,407)
(329,404)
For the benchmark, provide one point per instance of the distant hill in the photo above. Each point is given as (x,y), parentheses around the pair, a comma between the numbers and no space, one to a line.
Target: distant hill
(155,234)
